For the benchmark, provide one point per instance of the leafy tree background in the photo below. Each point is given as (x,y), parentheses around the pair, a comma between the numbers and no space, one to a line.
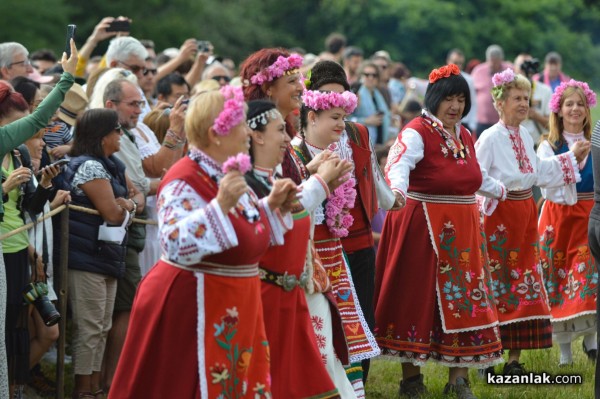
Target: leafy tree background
(416,32)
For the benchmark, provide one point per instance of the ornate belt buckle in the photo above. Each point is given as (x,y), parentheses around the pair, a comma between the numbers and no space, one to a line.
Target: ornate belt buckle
(289,282)
(303,280)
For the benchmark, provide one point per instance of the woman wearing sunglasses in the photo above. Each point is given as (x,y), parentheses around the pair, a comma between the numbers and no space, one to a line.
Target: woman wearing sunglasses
(372,110)
(96,180)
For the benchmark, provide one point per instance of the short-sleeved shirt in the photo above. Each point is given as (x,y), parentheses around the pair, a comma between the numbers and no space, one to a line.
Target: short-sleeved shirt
(88,171)
(57,133)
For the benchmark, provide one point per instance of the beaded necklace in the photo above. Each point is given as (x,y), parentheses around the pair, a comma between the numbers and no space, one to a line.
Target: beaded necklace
(455,145)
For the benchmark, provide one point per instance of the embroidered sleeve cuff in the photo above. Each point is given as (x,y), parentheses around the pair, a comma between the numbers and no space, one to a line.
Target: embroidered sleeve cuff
(222,225)
(279,224)
(568,164)
(313,193)
(503,193)
(323,184)
(402,193)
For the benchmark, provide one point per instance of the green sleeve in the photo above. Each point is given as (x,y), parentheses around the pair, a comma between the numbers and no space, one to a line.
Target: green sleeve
(18,132)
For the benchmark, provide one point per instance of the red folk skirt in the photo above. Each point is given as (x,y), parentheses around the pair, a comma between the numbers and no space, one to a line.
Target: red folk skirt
(297,370)
(513,248)
(569,271)
(433,298)
(181,316)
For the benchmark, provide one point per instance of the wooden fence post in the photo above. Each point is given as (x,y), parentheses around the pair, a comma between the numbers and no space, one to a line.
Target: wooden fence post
(62,303)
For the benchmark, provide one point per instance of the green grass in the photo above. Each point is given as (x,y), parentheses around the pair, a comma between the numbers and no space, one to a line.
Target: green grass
(385,374)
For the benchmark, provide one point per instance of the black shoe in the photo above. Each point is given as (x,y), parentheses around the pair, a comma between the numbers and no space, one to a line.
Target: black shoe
(413,387)
(591,354)
(461,389)
(514,368)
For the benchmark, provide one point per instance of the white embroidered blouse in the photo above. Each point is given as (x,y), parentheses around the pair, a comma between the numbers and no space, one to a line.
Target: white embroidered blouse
(509,156)
(342,148)
(564,195)
(183,214)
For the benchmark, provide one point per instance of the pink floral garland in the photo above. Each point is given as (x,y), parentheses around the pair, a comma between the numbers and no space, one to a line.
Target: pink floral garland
(316,100)
(240,162)
(233,110)
(277,69)
(590,96)
(337,209)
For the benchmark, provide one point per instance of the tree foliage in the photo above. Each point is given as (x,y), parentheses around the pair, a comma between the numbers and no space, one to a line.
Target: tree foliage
(416,32)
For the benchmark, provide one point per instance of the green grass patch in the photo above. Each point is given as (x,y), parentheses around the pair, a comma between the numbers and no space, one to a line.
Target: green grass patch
(385,375)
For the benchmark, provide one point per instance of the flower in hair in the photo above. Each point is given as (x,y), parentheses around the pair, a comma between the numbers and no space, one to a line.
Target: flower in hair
(240,162)
(321,100)
(590,96)
(443,72)
(233,110)
(279,68)
(504,77)
(499,80)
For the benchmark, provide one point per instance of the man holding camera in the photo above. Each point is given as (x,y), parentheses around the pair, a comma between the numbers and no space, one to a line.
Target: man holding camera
(539,110)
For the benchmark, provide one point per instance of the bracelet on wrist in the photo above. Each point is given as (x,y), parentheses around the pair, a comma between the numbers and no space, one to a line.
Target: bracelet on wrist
(177,138)
(134,209)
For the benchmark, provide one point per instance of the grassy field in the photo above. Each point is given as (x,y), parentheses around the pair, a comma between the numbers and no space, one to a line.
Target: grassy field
(386,372)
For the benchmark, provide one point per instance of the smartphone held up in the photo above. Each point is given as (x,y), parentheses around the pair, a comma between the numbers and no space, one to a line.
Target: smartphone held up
(119,25)
(71,28)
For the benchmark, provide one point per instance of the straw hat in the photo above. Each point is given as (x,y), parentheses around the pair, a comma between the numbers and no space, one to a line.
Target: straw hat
(75,101)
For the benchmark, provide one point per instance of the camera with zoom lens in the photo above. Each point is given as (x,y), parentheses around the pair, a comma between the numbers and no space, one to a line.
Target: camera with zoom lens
(530,67)
(37,294)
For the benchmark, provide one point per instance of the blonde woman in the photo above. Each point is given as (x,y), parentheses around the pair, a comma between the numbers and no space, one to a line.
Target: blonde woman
(570,275)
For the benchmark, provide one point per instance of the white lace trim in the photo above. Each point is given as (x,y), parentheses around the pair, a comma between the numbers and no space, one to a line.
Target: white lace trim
(200,335)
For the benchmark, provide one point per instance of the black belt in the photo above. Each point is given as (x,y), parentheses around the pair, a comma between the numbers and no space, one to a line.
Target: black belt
(286,281)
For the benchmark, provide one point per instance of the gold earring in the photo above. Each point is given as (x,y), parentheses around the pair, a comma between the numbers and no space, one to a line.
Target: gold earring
(218,142)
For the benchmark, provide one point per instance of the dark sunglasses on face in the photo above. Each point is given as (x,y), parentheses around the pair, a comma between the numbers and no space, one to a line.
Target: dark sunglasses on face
(221,77)
(135,68)
(152,71)
(370,75)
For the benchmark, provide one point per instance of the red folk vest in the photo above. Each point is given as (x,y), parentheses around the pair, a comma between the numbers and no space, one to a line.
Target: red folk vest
(253,237)
(360,233)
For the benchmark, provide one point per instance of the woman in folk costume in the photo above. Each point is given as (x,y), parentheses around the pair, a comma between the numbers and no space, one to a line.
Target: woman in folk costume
(297,370)
(197,322)
(570,275)
(372,194)
(506,151)
(323,128)
(273,74)
(433,296)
